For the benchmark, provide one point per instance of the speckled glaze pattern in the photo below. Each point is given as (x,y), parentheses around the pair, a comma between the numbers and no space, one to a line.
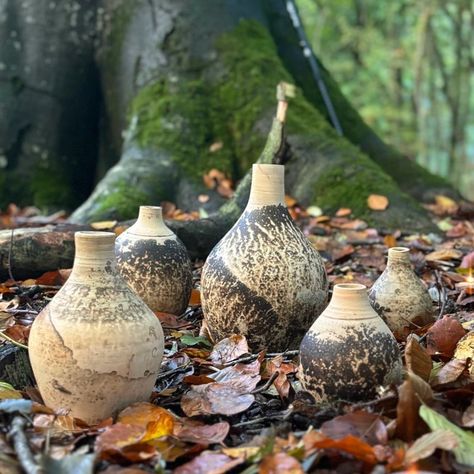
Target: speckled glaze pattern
(155,263)
(399,296)
(96,348)
(263,280)
(348,351)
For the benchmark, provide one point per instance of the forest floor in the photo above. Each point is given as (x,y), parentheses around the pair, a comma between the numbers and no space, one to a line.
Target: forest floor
(218,408)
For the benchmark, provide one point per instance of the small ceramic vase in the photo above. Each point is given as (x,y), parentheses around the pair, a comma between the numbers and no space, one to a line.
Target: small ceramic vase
(399,296)
(263,280)
(155,263)
(97,347)
(349,351)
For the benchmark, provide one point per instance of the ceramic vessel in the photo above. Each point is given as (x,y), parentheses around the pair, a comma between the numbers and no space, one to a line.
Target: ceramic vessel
(263,279)
(155,263)
(349,351)
(96,348)
(399,296)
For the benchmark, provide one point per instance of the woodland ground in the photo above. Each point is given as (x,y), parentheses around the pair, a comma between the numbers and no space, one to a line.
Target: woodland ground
(221,409)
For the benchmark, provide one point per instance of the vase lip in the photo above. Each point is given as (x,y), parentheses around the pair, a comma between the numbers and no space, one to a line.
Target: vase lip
(150,223)
(349,287)
(93,235)
(398,250)
(151,209)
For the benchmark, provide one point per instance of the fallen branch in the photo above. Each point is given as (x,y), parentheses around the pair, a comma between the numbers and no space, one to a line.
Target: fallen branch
(21,446)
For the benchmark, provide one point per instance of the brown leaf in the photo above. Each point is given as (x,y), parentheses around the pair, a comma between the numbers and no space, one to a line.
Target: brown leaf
(445,205)
(338,253)
(426,445)
(450,372)
(54,278)
(120,442)
(366,426)
(349,444)
(409,424)
(103,225)
(157,421)
(282,385)
(444,254)
(208,463)
(18,333)
(443,336)
(229,349)
(377,202)
(196,432)
(170,321)
(197,379)
(290,201)
(465,349)
(215,399)
(343,212)
(417,359)
(195,298)
(280,463)
(390,241)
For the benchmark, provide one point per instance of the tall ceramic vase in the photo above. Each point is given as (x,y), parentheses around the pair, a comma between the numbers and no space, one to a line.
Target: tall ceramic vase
(263,279)
(349,351)
(96,348)
(399,296)
(155,263)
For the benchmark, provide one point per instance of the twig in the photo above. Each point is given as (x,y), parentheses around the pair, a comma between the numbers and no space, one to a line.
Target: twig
(22,449)
(387,398)
(442,294)
(9,339)
(267,384)
(279,416)
(252,357)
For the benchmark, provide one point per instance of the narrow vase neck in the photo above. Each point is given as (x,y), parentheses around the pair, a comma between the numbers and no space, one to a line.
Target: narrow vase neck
(350,301)
(95,252)
(150,223)
(268,186)
(398,256)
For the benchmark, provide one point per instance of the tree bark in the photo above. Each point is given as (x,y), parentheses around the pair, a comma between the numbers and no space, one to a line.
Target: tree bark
(205,74)
(49,102)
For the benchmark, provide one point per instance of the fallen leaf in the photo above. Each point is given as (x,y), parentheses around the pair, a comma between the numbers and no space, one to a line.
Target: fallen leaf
(417,359)
(314,211)
(103,225)
(450,372)
(361,424)
(280,463)
(467,261)
(208,463)
(464,452)
(411,393)
(290,201)
(349,444)
(377,202)
(16,405)
(7,391)
(229,349)
(445,204)
(216,146)
(196,432)
(444,335)
(425,446)
(215,399)
(343,212)
(155,420)
(195,298)
(121,442)
(390,241)
(54,278)
(190,340)
(444,254)
(203,198)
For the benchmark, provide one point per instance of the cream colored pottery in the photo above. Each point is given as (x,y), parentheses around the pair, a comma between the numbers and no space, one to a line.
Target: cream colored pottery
(263,279)
(155,263)
(96,348)
(349,351)
(399,296)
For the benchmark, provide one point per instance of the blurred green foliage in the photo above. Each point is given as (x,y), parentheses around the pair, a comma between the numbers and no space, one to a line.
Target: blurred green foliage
(407,66)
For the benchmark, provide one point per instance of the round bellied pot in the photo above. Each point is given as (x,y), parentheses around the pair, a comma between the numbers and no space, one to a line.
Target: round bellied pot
(263,280)
(155,263)
(97,347)
(399,296)
(349,351)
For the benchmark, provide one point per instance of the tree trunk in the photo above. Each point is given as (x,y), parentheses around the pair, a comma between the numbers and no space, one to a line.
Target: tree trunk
(49,102)
(205,73)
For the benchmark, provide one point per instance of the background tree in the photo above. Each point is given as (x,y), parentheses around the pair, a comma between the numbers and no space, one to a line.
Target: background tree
(193,85)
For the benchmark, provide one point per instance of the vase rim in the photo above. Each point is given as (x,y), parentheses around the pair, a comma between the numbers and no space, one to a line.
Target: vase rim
(94,234)
(398,250)
(350,286)
(151,208)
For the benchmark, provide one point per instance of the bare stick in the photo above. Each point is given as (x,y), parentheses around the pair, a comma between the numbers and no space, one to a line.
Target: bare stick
(22,448)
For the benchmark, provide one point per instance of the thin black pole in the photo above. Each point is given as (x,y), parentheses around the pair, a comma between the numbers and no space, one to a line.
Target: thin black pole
(313,63)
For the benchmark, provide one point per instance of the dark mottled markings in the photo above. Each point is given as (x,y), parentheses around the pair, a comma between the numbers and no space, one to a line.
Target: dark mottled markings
(159,272)
(263,280)
(350,367)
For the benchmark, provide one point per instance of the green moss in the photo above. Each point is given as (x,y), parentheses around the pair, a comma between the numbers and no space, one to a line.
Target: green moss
(50,190)
(122,203)
(187,117)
